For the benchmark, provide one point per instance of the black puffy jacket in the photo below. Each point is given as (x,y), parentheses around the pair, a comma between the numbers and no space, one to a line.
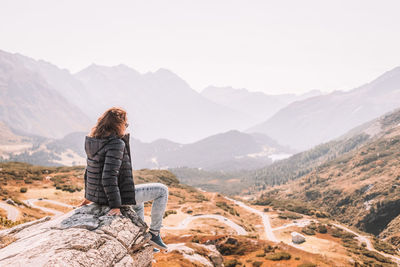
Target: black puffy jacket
(108,175)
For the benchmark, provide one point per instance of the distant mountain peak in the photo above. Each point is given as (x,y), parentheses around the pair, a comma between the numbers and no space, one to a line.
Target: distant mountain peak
(108,71)
(165,74)
(224,89)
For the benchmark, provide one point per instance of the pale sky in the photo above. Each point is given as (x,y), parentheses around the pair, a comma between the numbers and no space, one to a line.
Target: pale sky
(271,46)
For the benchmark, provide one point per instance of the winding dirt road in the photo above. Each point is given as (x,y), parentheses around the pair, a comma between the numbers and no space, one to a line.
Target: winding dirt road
(31,203)
(265,219)
(367,241)
(270,235)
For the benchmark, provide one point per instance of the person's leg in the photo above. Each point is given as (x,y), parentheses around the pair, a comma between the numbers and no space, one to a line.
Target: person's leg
(158,193)
(139,209)
(148,192)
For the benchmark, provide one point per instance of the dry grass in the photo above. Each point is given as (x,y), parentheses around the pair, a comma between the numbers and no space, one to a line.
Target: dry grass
(6,240)
(3,213)
(53,206)
(250,250)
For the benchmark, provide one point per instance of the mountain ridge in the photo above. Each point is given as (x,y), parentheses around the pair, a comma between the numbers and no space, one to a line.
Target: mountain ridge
(257,104)
(25,104)
(224,151)
(315,120)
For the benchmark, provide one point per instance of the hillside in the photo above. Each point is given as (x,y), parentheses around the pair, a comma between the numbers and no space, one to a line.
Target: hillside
(31,105)
(302,163)
(61,81)
(360,188)
(304,124)
(40,150)
(228,151)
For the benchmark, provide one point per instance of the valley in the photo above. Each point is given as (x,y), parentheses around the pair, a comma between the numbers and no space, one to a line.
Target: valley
(244,233)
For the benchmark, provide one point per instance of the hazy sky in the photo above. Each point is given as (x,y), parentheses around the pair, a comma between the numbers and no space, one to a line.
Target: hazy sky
(272,46)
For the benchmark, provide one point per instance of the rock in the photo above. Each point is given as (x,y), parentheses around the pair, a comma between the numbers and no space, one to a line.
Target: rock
(198,254)
(11,202)
(82,237)
(298,238)
(213,254)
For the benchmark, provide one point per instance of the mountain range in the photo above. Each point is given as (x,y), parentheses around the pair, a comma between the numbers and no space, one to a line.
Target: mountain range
(258,105)
(232,150)
(307,123)
(52,102)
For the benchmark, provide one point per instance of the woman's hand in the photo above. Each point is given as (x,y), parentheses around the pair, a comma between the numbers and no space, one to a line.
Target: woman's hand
(115,211)
(84,202)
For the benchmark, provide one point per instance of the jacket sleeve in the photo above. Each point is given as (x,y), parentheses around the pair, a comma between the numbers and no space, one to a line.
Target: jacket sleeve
(85,180)
(114,153)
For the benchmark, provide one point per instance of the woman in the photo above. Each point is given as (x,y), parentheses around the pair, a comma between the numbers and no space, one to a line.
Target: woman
(108,175)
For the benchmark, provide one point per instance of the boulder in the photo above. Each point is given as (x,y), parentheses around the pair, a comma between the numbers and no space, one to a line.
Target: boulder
(198,254)
(82,237)
(298,238)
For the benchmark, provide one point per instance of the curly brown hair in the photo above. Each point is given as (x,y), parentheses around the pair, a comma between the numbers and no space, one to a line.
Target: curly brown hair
(113,121)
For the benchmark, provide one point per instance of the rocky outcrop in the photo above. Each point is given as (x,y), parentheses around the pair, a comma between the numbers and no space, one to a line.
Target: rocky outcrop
(198,254)
(82,237)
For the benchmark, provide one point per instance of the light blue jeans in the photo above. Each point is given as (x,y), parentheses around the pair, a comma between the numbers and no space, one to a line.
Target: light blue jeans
(159,194)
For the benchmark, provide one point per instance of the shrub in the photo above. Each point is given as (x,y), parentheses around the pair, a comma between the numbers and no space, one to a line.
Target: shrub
(384,246)
(257,264)
(226,207)
(168,212)
(232,247)
(290,215)
(7,223)
(322,229)
(278,256)
(308,264)
(23,189)
(269,248)
(231,263)
(377,256)
(308,231)
(320,214)
(312,226)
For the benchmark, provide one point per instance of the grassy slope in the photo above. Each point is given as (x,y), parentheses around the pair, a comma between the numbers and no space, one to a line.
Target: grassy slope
(305,162)
(360,188)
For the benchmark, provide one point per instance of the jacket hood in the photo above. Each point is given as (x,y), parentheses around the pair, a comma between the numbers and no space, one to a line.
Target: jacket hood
(94,145)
